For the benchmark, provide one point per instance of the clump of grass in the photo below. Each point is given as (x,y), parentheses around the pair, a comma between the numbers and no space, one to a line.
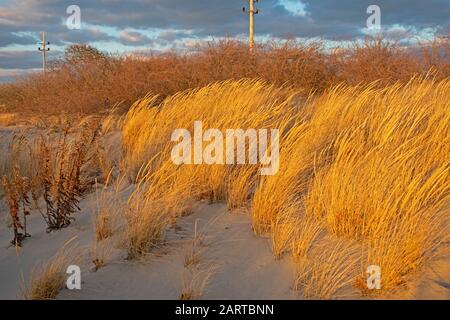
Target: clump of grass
(194,253)
(103,228)
(195,281)
(106,158)
(101,254)
(276,192)
(112,122)
(330,273)
(145,229)
(240,187)
(307,232)
(48,279)
(109,205)
(294,231)
(160,197)
(366,164)
(283,232)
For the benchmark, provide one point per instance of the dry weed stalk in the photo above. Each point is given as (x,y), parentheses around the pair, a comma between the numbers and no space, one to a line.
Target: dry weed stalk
(62,177)
(17,189)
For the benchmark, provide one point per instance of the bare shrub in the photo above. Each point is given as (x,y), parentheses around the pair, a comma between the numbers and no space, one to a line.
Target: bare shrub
(87,81)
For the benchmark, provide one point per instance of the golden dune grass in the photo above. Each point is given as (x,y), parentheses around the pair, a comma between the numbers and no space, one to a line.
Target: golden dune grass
(330,272)
(388,178)
(231,104)
(363,178)
(359,163)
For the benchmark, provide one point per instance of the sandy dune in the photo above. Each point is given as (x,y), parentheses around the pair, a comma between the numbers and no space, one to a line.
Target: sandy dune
(231,262)
(241,265)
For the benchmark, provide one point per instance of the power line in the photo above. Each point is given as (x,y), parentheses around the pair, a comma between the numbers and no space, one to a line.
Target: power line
(44,51)
(252,10)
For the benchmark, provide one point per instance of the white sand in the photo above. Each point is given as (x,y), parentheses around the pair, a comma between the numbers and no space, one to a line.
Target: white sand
(244,267)
(35,250)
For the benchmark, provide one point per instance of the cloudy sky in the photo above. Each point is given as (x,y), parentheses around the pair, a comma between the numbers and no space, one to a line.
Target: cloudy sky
(121,26)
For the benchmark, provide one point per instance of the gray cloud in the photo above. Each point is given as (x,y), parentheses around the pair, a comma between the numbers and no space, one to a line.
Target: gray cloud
(132,37)
(24,59)
(7,38)
(175,20)
(326,18)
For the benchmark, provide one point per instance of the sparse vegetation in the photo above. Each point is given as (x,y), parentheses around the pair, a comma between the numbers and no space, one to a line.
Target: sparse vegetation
(195,280)
(101,254)
(48,279)
(364,145)
(194,254)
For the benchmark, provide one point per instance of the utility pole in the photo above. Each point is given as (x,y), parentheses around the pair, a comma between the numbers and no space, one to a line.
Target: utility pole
(251,12)
(44,50)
